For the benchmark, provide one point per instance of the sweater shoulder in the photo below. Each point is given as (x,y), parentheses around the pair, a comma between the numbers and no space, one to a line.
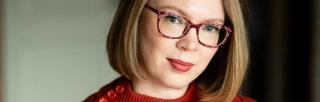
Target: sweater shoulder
(243,99)
(103,91)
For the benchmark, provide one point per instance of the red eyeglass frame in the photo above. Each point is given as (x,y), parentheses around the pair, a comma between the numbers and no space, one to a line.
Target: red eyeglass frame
(189,26)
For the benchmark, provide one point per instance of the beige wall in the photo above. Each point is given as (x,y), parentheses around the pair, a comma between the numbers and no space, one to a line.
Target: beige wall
(55,49)
(1,51)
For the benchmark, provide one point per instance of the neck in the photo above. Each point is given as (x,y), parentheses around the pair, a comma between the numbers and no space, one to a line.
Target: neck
(157,90)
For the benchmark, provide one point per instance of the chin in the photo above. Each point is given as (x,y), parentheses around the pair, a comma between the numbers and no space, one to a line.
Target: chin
(177,82)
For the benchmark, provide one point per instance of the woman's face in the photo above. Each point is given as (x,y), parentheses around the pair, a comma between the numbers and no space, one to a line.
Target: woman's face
(175,63)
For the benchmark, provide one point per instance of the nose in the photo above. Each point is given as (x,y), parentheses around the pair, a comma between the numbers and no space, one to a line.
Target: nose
(189,42)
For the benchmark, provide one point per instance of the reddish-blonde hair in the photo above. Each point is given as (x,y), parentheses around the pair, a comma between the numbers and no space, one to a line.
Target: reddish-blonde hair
(222,78)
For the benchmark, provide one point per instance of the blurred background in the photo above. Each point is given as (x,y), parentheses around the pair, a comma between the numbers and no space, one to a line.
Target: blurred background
(285,50)
(54,50)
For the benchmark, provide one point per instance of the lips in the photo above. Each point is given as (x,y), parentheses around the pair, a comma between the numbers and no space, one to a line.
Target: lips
(180,65)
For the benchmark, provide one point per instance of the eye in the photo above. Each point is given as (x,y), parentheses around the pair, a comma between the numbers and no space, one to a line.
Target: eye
(210,28)
(174,19)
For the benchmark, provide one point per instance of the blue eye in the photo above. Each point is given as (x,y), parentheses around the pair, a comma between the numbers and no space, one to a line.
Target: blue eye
(173,19)
(211,28)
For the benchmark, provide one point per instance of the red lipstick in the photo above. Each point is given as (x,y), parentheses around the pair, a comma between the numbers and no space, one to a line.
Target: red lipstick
(180,65)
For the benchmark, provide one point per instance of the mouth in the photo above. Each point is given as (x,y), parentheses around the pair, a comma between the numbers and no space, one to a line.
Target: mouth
(180,65)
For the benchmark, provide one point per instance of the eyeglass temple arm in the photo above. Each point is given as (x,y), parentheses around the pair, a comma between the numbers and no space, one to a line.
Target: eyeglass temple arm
(228,29)
(151,8)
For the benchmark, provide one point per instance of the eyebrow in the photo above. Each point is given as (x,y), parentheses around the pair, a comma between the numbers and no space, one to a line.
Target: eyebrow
(187,15)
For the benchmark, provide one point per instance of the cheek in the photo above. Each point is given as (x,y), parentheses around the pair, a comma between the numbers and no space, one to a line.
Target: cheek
(152,46)
(206,56)
(147,31)
(210,54)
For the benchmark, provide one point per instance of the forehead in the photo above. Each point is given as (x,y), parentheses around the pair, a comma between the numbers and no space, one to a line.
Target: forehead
(195,10)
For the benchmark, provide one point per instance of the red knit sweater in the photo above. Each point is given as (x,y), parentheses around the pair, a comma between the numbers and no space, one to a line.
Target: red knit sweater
(120,91)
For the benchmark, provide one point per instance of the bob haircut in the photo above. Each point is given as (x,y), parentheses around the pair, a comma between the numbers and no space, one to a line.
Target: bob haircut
(222,78)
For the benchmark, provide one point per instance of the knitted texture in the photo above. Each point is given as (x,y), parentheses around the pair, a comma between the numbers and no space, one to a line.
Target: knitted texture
(120,90)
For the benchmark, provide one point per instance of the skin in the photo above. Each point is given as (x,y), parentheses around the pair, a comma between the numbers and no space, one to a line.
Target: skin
(164,81)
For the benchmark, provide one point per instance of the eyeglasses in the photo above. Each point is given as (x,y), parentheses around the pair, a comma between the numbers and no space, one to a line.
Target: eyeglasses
(173,26)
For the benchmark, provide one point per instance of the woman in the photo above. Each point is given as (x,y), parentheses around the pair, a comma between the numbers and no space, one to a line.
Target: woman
(176,51)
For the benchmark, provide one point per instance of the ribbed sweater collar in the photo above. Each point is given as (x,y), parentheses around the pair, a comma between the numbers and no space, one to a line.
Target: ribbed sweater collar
(130,96)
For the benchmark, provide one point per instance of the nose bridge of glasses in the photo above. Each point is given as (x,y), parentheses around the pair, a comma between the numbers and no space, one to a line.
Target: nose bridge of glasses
(189,30)
(195,26)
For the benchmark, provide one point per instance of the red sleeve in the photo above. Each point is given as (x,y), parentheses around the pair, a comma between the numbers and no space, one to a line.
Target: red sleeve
(243,99)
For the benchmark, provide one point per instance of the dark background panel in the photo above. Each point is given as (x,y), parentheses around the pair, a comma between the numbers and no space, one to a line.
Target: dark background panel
(280,33)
